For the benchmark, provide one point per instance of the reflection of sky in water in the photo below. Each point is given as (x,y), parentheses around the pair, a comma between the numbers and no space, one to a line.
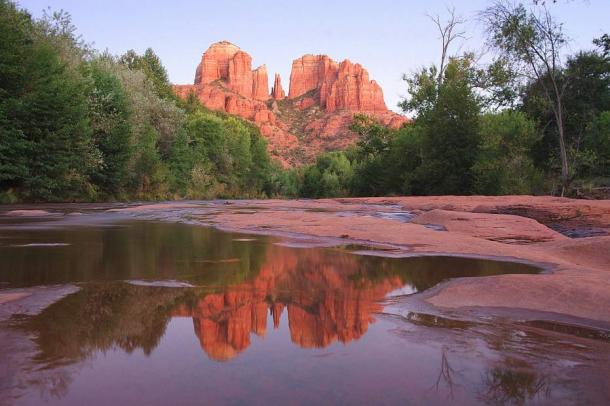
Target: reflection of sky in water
(404,290)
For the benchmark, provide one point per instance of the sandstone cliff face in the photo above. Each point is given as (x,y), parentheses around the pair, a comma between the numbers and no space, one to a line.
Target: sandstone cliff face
(344,86)
(314,118)
(260,83)
(311,72)
(215,63)
(353,91)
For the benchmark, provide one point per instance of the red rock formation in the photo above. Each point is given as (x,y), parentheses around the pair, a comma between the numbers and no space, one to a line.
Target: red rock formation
(239,79)
(344,86)
(277,92)
(311,72)
(322,99)
(354,91)
(215,62)
(260,83)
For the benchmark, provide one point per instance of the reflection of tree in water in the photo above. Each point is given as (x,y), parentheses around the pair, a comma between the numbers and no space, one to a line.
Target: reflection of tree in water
(446,373)
(134,250)
(513,382)
(102,317)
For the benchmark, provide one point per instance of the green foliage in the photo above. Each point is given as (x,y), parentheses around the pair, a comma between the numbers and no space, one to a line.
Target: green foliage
(331,176)
(149,64)
(374,138)
(404,157)
(531,43)
(180,163)
(109,120)
(603,43)
(79,126)
(16,51)
(423,91)
(597,142)
(223,149)
(449,136)
(150,175)
(45,134)
(587,94)
(284,183)
(503,163)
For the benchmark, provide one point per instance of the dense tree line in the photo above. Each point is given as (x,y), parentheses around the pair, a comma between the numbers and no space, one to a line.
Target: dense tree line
(79,125)
(76,124)
(524,123)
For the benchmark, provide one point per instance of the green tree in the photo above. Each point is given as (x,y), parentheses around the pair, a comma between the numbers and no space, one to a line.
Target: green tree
(403,159)
(532,43)
(586,81)
(45,135)
(16,50)
(181,163)
(504,165)
(447,116)
(596,143)
(111,133)
(150,64)
(150,178)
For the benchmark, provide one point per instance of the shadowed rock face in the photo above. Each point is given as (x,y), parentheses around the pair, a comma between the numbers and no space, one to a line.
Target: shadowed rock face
(316,116)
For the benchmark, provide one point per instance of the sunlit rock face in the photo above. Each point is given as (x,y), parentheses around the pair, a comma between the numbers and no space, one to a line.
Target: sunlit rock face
(314,118)
(260,83)
(215,63)
(337,86)
(277,92)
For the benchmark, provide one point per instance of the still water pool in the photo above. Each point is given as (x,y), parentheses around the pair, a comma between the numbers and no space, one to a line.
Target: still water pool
(167,313)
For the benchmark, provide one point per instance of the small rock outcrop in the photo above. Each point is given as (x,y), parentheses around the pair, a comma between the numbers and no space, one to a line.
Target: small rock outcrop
(322,99)
(277,92)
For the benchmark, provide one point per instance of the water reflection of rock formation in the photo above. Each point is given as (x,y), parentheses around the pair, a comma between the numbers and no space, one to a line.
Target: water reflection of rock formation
(325,296)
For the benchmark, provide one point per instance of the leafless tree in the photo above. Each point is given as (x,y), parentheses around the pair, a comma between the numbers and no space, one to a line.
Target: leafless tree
(449,32)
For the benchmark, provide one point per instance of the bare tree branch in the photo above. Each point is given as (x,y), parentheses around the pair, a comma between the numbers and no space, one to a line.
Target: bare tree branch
(449,32)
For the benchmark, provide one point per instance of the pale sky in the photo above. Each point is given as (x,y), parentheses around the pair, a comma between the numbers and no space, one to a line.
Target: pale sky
(388,37)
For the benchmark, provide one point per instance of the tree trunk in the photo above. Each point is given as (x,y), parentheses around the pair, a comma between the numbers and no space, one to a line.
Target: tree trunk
(562,148)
